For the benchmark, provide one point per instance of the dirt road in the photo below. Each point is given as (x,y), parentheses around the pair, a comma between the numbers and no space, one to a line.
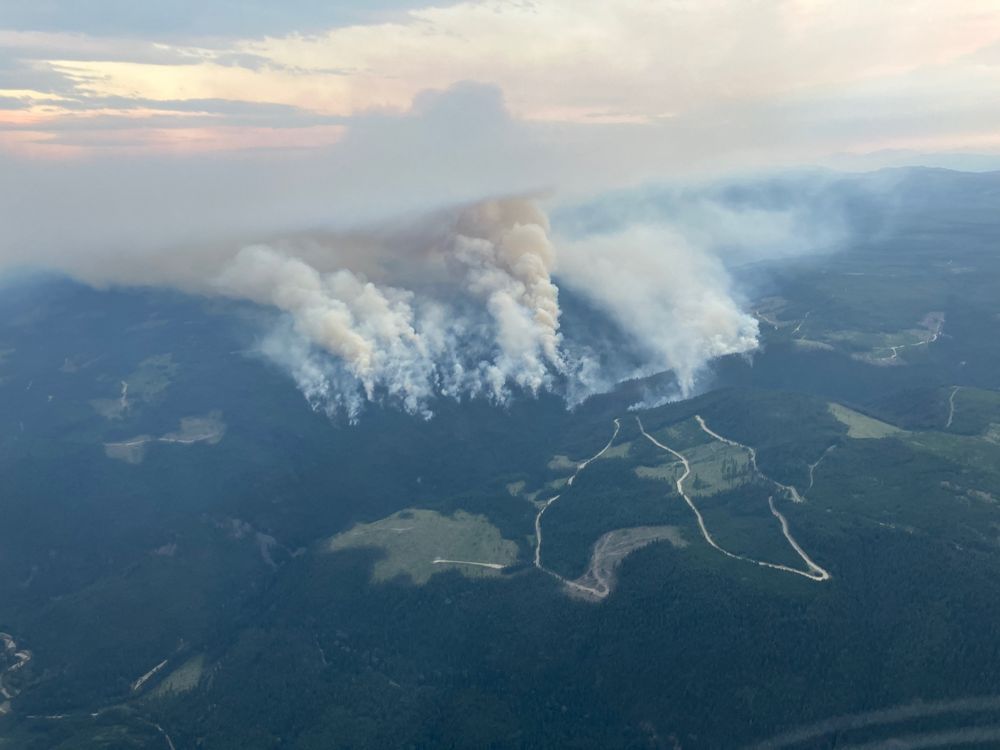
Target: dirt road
(538,522)
(814,573)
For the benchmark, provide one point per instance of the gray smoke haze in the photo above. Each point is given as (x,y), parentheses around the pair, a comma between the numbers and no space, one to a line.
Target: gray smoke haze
(464,302)
(451,147)
(383,295)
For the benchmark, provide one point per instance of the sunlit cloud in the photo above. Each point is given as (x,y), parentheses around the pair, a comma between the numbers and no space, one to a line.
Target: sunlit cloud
(636,87)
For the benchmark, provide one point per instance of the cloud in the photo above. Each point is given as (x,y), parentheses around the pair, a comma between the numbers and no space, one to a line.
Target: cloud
(187,18)
(454,147)
(780,78)
(580,60)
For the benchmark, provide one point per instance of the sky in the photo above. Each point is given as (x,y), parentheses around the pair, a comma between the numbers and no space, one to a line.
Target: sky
(253,115)
(727,82)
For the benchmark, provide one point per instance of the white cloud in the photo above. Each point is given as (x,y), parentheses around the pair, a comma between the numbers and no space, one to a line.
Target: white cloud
(571,59)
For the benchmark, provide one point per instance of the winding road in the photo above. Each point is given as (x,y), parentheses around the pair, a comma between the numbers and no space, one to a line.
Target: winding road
(934,335)
(812,467)
(814,572)
(796,497)
(588,590)
(163,732)
(137,685)
(951,406)
(165,439)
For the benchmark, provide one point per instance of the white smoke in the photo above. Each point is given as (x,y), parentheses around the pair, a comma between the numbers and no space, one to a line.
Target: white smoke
(672,299)
(350,337)
(370,330)
(466,305)
(508,259)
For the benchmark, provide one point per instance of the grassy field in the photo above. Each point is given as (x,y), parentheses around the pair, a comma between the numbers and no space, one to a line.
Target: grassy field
(146,384)
(413,539)
(562,463)
(204,429)
(621,450)
(667,472)
(861,427)
(516,488)
(183,679)
(716,467)
(682,436)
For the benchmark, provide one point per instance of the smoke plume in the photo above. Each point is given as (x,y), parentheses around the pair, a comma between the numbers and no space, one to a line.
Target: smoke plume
(467,310)
(508,259)
(672,299)
(465,304)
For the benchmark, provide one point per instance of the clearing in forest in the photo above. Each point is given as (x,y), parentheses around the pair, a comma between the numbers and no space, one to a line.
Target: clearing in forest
(862,427)
(412,540)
